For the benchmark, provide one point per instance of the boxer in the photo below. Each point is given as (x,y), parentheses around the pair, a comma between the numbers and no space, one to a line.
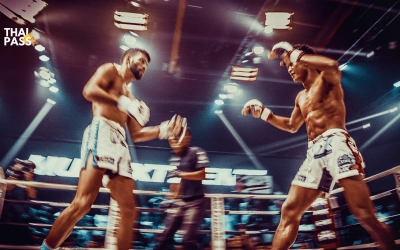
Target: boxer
(332,154)
(105,152)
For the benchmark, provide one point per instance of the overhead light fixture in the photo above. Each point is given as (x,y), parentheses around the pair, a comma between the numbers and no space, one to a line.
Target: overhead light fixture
(258,50)
(44,58)
(397,84)
(244,74)
(278,20)
(129,40)
(39,47)
(219,102)
(131,21)
(53,89)
(22,11)
(370,54)
(218,111)
(366,125)
(51,101)
(231,88)
(342,66)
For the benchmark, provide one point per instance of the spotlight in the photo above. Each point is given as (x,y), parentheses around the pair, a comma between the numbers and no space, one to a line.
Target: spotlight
(244,74)
(53,89)
(219,102)
(278,20)
(131,21)
(39,47)
(366,125)
(223,96)
(245,61)
(44,58)
(231,88)
(393,109)
(397,84)
(372,53)
(51,101)
(44,83)
(342,67)
(129,40)
(258,50)
(218,111)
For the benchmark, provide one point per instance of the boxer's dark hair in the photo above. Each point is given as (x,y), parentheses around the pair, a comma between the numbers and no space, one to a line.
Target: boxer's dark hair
(133,51)
(307,49)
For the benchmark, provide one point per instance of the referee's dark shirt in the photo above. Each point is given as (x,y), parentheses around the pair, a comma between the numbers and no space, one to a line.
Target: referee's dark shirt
(191,160)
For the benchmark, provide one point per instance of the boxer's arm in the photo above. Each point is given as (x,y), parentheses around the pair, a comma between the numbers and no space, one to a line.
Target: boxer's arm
(141,134)
(194,176)
(95,90)
(290,124)
(328,67)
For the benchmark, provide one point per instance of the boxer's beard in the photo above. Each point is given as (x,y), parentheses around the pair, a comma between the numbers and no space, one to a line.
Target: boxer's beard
(135,72)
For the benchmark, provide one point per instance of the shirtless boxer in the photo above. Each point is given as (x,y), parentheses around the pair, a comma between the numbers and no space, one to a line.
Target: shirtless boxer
(105,152)
(332,154)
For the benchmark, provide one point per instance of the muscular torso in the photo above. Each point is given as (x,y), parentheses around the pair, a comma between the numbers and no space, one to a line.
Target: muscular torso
(117,87)
(322,107)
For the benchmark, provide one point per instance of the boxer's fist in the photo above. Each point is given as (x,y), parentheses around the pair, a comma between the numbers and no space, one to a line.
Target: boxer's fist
(134,108)
(286,51)
(279,49)
(172,127)
(173,173)
(256,109)
(15,174)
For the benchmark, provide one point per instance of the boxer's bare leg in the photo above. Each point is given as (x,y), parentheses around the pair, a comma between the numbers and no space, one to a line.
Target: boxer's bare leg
(88,188)
(357,195)
(121,191)
(298,201)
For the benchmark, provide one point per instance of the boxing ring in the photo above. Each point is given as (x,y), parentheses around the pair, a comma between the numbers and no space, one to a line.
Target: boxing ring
(325,231)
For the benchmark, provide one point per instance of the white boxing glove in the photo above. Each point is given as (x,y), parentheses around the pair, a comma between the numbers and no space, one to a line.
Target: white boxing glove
(256,109)
(166,129)
(135,108)
(284,47)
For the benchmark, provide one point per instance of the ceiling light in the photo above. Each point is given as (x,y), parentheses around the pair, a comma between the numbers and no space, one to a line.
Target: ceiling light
(51,101)
(248,53)
(44,58)
(133,33)
(219,102)
(39,47)
(370,54)
(245,61)
(393,109)
(366,125)
(44,83)
(397,84)
(278,20)
(258,50)
(231,88)
(342,67)
(131,21)
(243,74)
(53,89)
(51,80)
(130,40)
(223,96)
(19,11)
(218,111)
(268,29)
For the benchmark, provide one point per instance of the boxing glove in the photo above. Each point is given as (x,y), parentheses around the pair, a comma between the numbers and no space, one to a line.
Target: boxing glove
(28,166)
(256,109)
(166,128)
(15,174)
(173,173)
(134,108)
(284,47)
